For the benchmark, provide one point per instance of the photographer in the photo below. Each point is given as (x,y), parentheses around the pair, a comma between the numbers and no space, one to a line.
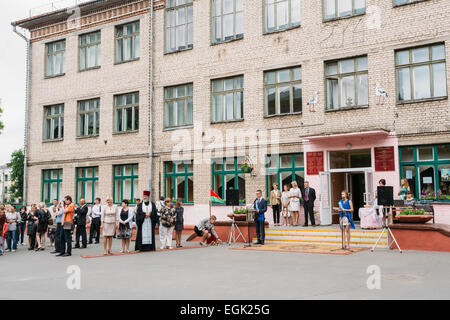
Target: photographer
(205,229)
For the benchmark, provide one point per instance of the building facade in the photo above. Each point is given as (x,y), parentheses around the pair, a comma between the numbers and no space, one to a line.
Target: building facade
(341,94)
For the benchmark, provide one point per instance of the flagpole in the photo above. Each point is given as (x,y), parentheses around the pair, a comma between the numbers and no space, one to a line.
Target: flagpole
(210,208)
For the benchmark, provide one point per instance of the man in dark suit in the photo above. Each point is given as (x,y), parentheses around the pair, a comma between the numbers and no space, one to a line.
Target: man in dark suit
(260,205)
(81,213)
(309,196)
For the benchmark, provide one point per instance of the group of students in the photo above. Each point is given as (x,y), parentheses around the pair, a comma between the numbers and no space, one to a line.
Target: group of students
(65,219)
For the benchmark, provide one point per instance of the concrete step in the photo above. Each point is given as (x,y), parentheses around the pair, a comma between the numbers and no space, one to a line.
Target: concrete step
(359,238)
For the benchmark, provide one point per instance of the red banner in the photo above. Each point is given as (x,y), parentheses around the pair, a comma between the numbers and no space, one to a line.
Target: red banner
(384,159)
(314,162)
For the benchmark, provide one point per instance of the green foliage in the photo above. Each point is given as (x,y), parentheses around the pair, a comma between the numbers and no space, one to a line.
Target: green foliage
(1,123)
(414,212)
(241,211)
(16,165)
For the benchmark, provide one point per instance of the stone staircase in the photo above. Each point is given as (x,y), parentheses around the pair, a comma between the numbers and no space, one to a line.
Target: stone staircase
(324,236)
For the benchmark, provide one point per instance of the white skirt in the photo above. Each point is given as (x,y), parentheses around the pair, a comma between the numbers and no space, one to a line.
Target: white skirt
(294,205)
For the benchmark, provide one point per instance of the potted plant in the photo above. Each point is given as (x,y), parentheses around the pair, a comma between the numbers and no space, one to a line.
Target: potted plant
(239,214)
(246,167)
(412,215)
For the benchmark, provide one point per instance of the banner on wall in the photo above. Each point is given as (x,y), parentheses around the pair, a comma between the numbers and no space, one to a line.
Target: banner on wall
(314,162)
(384,159)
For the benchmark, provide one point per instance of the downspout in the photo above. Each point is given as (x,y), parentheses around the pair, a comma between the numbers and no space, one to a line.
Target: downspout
(27,109)
(150,100)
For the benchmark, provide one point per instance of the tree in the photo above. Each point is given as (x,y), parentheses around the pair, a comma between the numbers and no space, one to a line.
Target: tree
(16,165)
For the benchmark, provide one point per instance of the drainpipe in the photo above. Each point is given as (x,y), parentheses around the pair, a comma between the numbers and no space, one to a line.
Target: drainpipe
(27,108)
(150,100)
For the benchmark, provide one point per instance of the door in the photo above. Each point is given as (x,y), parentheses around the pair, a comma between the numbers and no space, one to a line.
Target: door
(325,198)
(369,194)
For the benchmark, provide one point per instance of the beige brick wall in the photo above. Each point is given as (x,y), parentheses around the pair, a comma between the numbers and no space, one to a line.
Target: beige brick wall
(308,46)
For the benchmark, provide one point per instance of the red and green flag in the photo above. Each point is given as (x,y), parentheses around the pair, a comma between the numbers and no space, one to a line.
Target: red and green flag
(215,197)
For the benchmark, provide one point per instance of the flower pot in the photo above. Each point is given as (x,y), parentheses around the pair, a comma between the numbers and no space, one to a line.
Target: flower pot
(414,218)
(237,217)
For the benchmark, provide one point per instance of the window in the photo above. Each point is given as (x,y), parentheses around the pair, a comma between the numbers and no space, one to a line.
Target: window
(281,15)
(228,99)
(228,20)
(427,169)
(334,9)
(227,174)
(178,106)
(87,184)
(283,169)
(51,185)
(127,42)
(55,63)
(401,2)
(88,118)
(126,112)
(90,50)
(347,83)
(54,122)
(126,183)
(421,73)
(283,91)
(179,25)
(179,181)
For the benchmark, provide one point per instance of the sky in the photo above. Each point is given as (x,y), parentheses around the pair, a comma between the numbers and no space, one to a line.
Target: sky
(13,75)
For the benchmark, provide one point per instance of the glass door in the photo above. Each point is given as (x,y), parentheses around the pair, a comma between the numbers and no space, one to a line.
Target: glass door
(325,198)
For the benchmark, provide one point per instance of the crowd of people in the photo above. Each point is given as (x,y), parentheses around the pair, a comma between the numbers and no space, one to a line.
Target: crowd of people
(64,220)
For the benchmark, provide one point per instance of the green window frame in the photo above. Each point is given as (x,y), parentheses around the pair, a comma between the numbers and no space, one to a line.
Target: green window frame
(287,10)
(175,176)
(282,166)
(411,166)
(86,184)
(226,168)
(126,182)
(51,180)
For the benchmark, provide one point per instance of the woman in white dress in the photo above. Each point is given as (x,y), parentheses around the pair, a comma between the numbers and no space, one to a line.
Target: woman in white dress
(285,215)
(294,202)
(110,222)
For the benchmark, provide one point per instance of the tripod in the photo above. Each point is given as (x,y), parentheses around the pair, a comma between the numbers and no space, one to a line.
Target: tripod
(232,235)
(386,228)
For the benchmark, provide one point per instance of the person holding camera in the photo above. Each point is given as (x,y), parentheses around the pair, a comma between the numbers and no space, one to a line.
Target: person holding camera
(260,206)
(205,229)
(67,223)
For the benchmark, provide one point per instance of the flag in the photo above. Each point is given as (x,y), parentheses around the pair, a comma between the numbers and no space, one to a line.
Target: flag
(215,197)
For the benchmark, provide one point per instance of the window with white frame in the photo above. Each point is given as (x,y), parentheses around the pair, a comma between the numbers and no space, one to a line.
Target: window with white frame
(90,50)
(55,63)
(54,122)
(228,99)
(88,118)
(347,83)
(179,25)
(126,112)
(283,91)
(179,109)
(281,14)
(128,42)
(343,8)
(421,73)
(227,20)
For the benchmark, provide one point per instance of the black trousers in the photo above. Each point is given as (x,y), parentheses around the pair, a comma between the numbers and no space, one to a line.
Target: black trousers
(276,213)
(58,237)
(95,229)
(309,211)
(260,232)
(66,241)
(81,232)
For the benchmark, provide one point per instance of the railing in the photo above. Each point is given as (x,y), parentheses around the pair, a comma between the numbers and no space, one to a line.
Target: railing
(55,6)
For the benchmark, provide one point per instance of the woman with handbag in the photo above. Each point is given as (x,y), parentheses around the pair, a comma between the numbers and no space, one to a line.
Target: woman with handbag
(43,219)
(31,227)
(168,221)
(109,221)
(67,223)
(125,226)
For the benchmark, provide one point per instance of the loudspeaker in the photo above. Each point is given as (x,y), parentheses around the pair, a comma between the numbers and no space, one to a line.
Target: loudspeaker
(385,196)
(232,197)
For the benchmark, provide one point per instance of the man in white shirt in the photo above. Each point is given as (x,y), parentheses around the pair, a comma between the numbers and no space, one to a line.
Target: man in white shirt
(96,221)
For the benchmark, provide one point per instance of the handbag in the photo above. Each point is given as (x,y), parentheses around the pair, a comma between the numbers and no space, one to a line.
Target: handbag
(67,225)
